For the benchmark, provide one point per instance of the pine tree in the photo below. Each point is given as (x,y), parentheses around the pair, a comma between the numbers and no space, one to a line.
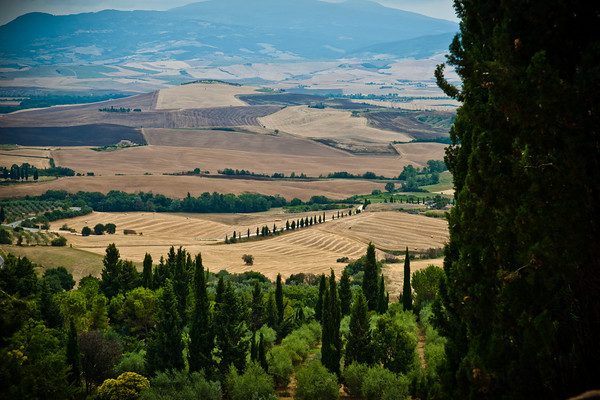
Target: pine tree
(358,346)
(73,357)
(345,293)
(111,272)
(521,299)
(331,349)
(382,300)
(165,350)
(406,290)
(147,272)
(319,306)
(201,329)
(129,277)
(369,285)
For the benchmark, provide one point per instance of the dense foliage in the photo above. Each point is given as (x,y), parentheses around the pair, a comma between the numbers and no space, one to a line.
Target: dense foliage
(521,303)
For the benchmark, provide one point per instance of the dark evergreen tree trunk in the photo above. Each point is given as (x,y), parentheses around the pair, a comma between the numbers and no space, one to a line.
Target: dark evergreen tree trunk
(521,300)
(201,329)
(147,272)
(369,285)
(406,288)
(345,293)
(358,347)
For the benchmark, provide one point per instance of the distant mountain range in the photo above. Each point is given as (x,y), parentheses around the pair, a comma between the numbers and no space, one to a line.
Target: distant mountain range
(226,30)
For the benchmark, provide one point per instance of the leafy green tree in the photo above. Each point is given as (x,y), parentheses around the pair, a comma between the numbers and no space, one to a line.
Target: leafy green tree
(86,231)
(33,365)
(315,382)
(254,383)
(18,277)
(521,299)
(99,229)
(425,283)
(230,328)
(201,328)
(345,293)
(49,309)
(73,358)
(5,237)
(110,283)
(358,344)
(331,350)
(393,347)
(369,284)
(390,186)
(139,311)
(406,291)
(59,279)
(110,228)
(165,350)
(147,271)
(382,384)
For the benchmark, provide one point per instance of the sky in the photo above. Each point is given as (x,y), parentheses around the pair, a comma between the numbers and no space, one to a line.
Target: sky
(11,9)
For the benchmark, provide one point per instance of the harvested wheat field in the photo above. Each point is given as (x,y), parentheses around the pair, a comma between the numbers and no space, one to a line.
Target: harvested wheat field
(313,249)
(38,157)
(328,123)
(201,95)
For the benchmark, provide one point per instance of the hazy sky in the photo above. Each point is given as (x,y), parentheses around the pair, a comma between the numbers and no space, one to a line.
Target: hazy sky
(10,9)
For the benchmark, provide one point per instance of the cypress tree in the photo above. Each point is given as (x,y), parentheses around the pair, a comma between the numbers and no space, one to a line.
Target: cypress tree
(369,285)
(271,311)
(129,277)
(257,312)
(2,215)
(201,329)
(262,357)
(73,357)
(165,350)
(382,300)
(147,272)
(358,346)
(331,349)
(253,348)
(521,299)
(319,306)
(406,290)
(230,329)
(111,272)
(279,299)
(345,293)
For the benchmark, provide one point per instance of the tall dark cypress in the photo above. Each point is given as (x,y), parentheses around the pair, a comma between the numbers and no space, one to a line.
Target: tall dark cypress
(382,299)
(406,288)
(331,349)
(257,311)
(345,293)
(262,356)
(181,283)
(110,283)
(73,357)
(279,299)
(147,272)
(319,306)
(358,346)
(165,350)
(521,299)
(369,285)
(201,329)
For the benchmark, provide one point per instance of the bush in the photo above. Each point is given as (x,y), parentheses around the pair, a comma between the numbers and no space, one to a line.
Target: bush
(110,228)
(248,259)
(128,386)
(315,382)
(354,375)
(59,241)
(99,229)
(86,231)
(133,362)
(382,384)
(179,385)
(280,365)
(254,384)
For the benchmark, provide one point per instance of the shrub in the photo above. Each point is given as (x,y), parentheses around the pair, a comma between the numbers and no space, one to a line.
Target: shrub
(315,382)
(382,384)
(353,376)
(128,386)
(280,365)
(254,384)
(182,386)
(248,259)
(59,241)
